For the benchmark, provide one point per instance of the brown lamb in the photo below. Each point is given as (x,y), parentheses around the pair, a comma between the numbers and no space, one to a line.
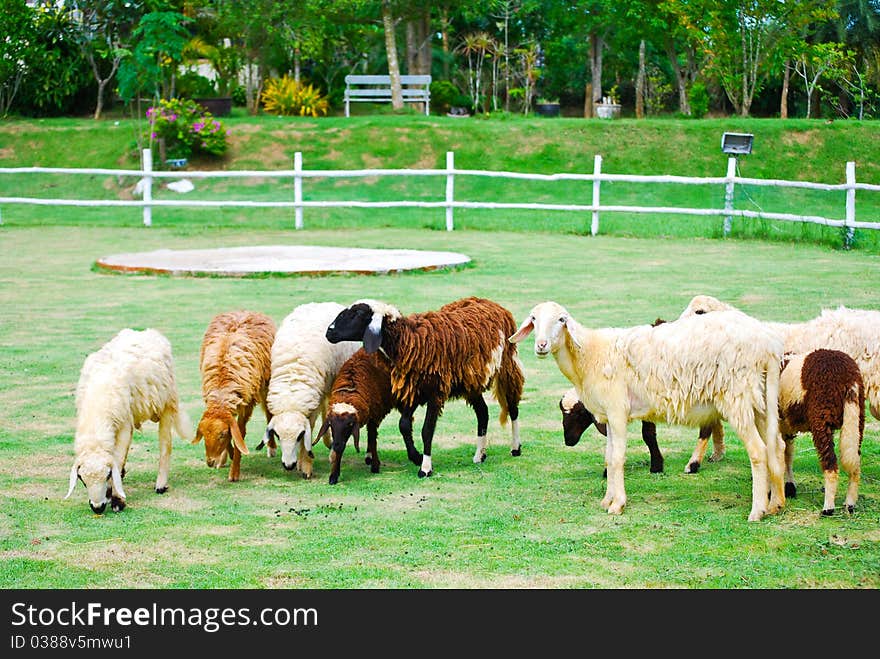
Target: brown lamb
(458,351)
(819,392)
(235,363)
(360,396)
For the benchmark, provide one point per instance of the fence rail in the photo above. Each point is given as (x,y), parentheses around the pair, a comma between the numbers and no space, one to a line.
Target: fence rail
(147,175)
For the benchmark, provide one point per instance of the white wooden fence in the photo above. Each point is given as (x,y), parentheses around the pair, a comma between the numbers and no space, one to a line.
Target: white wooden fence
(148,175)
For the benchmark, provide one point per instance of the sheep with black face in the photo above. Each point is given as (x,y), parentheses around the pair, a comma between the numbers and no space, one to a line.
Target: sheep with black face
(457,351)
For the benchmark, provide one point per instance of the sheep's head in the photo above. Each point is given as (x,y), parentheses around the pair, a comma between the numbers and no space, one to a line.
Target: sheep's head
(220,432)
(701,304)
(575,417)
(293,432)
(548,320)
(98,471)
(362,321)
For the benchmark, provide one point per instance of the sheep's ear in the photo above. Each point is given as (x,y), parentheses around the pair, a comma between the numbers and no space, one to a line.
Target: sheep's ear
(524,330)
(373,334)
(73,476)
(323,428)
(566,320)
(237,439)
(198,436)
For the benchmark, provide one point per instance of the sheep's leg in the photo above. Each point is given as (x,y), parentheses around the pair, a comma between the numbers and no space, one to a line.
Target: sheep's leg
(790,487)
(432,412)
(244,416)
(851,432)
(335,464)
(823,440)
(615,494)
(757,451)
(372,457)
(513,414)
(717,441)
(120,455)
(165,423)
(696,459)
(649,436)
(405,426)
(482,412)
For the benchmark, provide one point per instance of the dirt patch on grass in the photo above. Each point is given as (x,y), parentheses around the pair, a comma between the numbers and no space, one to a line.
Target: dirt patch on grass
(801,138)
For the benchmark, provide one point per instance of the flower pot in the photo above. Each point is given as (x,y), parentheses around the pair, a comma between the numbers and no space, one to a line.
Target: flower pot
(220,106)
(607,110)
(547,109)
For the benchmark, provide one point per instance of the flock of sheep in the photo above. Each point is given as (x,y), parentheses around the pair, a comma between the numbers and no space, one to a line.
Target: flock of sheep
(353,365)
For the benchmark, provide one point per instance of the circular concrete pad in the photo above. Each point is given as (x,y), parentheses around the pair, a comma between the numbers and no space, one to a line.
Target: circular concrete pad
(279,259)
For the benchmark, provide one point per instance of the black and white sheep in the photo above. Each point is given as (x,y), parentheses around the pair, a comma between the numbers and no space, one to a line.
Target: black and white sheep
(128,381)
(687,372)
(458,351)
(820,392)
(360,396)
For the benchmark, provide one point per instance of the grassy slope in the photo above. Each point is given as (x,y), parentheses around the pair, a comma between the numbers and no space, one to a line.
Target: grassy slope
(510,522)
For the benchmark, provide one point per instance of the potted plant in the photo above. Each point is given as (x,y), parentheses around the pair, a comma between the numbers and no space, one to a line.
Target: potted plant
(224,61)
(547,107)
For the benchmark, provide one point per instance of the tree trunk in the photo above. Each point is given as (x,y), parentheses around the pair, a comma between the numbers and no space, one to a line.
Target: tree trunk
(597,45)
(783,101)
(640,83)
(681,79)
(388,24)
(588,101)
(444,37)
(412,48)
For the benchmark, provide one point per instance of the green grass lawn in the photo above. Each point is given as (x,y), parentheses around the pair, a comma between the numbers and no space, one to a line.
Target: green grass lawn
(530,521)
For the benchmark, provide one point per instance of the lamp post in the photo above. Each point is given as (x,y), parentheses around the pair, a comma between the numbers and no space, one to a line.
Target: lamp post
(734,144)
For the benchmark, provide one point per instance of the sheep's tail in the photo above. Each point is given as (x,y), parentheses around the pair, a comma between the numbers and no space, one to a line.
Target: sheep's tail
(508,386)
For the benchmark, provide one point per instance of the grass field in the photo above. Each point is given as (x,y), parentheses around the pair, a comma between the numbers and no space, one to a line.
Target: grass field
(532,521)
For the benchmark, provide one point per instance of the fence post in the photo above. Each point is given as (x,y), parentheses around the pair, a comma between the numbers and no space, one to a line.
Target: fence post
(850,204)
(298,189)
(597,170)
(728,193)
(450,186)
(148,187)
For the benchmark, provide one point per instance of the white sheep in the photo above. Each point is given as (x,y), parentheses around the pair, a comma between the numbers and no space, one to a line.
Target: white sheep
(304,365)
(853,331)
(687,372)
(128,381)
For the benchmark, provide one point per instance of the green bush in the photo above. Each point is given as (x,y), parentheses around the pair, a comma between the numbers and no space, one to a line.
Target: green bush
(288,97)
(187,129)
(698,97)
(443,95)
(195,85)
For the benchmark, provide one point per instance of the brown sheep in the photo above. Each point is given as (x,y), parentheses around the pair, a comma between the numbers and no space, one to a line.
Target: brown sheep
(360,396)
(820,392)
(235,363)
(458,351)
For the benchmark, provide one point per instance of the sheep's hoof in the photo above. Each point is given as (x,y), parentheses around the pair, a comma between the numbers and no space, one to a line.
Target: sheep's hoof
(692,468)
(162,490)
(260,446)
(374,468)
(516,452)
(117,504)
(828,512)
(605,473)
(368,460)
(850,508)
(234,479)
(657,468)
(756,516)
(422,474)
(334,478)
(790,490)
(716,457)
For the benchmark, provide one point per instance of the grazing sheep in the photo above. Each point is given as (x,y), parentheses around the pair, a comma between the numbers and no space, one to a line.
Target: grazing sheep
(235,362)
(689,372)
(853,331)
(458,351)
(360,396)
(820,392)
(128,381)
(304,365)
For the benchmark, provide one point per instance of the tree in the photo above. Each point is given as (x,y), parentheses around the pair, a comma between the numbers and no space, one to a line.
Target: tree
(104,29)
(821,59)
(16,26)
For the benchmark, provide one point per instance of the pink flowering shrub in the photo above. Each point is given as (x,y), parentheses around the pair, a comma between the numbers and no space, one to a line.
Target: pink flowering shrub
(187,129)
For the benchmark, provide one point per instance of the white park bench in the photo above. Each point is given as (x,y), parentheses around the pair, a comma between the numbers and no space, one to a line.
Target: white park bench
(377,89)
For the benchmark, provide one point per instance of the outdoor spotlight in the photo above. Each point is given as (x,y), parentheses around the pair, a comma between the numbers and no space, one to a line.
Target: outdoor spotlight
(737,143)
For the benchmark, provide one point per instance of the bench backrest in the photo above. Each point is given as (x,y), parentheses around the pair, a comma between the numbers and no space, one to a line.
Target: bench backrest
(386,80)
